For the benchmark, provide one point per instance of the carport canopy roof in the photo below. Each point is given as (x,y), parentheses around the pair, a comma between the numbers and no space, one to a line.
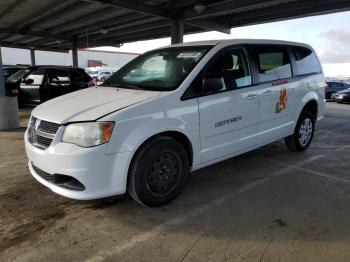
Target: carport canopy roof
(62,24)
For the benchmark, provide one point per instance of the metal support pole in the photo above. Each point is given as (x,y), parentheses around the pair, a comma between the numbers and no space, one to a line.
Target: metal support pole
(9,115)
(177,31)
(75,54)
(32,56)
(2,80)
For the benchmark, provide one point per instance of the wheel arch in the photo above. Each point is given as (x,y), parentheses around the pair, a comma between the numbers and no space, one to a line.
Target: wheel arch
(312,107)
(178,136)
(309,102)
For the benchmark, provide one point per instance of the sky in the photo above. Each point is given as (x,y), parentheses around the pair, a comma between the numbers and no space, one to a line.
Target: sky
(328,34)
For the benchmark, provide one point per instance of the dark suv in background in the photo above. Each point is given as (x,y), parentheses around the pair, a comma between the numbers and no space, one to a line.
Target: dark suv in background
(334,87)
(41,83)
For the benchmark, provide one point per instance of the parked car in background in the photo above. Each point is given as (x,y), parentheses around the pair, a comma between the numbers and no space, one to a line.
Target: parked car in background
(102,73)
(9,70)
(333,87)
(41,83)
(342,96)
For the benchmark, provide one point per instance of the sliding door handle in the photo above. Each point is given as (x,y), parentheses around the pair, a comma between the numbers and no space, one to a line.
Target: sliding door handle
(268,93)
(251,96)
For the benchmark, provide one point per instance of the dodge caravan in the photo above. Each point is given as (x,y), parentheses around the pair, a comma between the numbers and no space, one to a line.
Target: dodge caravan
(174,110)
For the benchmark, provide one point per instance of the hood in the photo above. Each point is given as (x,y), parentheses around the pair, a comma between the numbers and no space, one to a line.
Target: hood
(90,104)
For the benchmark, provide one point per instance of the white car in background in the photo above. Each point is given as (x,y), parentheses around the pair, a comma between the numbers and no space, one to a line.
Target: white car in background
(174,110)
(100,74)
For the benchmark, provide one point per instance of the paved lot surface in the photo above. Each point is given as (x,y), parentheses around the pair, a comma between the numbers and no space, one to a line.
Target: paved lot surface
(267,205)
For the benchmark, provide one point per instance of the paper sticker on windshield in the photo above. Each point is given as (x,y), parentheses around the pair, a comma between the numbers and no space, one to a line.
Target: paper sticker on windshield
(189,55)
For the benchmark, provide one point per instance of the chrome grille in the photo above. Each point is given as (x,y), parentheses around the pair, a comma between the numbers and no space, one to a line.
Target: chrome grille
(48,127)
(41,133)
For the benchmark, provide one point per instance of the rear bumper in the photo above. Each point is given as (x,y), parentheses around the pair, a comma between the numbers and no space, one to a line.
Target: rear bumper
(100,174)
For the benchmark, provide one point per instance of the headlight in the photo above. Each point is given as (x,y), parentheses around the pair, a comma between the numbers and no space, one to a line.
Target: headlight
(88,134)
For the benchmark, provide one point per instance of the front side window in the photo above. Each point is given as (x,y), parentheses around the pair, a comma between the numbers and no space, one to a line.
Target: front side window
(306,61)
(273,63)
(232,67)
(159,70)
(35,78)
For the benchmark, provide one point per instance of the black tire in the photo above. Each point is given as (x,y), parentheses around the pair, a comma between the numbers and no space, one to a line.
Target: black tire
(294,142)
(158,172)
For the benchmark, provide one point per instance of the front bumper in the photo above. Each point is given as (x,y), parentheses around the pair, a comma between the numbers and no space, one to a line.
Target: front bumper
(100,174)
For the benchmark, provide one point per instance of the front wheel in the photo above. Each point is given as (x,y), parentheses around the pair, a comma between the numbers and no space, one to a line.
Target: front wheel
(158,172)
(303,133)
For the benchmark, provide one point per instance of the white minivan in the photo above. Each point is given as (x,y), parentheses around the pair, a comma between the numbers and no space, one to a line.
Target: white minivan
(174,110)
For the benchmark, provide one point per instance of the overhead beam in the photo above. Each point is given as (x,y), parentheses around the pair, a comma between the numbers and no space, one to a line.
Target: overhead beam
(74,23)
(47,35)
(288,11)
(42,48)
(76,6)
(11,7)
(211,26)
(133,6)
(112,23)
(43,12)
(228,7)
(14,31)
(134,29)
(147,35)
(156,11)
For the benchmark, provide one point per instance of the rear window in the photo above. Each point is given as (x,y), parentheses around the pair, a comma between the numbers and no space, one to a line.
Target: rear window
(273,63)
(306,61)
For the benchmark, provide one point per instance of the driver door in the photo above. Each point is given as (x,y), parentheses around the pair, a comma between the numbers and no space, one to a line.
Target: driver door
(30,86)
(229,117)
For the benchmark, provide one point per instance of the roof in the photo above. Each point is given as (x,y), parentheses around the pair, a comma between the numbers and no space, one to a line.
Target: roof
(238,41)
(60,24)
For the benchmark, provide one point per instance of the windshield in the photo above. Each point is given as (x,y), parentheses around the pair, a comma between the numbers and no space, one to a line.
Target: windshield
(159,70)
(19,75)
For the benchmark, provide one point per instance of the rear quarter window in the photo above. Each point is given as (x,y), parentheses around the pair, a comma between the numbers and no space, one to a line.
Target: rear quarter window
(306,61)
(273,62)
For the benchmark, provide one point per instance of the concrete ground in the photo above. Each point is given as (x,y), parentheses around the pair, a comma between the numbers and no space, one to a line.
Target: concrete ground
(267,205)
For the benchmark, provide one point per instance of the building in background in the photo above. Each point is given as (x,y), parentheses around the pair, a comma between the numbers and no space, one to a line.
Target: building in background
(86,57)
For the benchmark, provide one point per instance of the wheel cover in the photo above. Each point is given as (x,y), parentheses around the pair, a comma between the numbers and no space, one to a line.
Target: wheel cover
(305,131)
(164,173)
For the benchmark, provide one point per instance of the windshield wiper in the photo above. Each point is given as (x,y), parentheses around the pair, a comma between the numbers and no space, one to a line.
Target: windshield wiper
(125,86)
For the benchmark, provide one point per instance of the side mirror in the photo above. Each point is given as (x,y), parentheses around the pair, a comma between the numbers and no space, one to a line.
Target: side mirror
(212,85)
(28,81)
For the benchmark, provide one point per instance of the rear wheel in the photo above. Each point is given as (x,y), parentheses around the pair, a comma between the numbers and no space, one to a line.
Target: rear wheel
(303,133)
(158,172)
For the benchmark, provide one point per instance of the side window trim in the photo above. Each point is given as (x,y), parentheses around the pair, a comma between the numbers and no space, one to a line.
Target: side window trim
(243,48)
